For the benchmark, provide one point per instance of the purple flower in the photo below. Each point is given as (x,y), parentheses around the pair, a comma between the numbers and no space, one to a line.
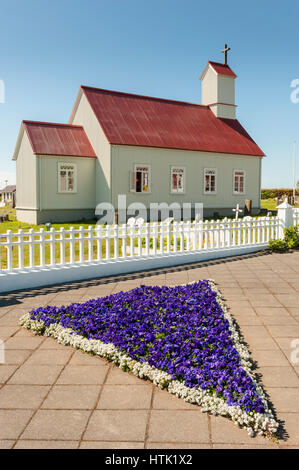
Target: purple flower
(180,330)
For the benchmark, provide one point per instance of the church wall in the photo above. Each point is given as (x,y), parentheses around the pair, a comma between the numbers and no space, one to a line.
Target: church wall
(125,157)
(51,199)
(26,193)
(85,117)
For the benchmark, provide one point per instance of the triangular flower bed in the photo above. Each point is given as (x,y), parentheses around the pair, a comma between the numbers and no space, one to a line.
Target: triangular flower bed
(181,338)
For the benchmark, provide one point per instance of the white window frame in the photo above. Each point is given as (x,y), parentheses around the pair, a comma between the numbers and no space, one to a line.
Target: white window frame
(204,181)
(172,170)
(144,165)
(59,169)
(244,181)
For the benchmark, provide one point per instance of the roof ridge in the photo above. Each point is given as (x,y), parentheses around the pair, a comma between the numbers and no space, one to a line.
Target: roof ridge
(43,123)
(219,63)
(144,96)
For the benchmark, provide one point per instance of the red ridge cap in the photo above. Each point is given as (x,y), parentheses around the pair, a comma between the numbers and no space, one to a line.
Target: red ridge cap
(55,124)
(134,95)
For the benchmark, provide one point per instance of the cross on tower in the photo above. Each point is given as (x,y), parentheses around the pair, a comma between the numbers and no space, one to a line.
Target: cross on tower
(225,51)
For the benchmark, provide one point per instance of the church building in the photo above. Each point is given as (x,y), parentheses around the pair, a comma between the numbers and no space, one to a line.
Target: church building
(149,149)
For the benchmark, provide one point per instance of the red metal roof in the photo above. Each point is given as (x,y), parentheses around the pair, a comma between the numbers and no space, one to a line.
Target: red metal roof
(222,69)
(58,139)
(128,119)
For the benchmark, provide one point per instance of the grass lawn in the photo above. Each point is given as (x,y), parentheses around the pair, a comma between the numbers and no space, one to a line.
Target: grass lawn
(14,225)
(268,204)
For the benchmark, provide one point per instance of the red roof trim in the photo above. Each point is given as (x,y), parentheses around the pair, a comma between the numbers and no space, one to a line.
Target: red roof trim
(48,124)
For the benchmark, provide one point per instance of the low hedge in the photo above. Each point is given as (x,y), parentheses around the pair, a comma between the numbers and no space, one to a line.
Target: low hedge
(272,193)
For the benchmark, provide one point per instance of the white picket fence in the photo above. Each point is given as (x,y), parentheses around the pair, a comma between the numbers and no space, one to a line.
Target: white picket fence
(30,249)
(34,258)
(295,216)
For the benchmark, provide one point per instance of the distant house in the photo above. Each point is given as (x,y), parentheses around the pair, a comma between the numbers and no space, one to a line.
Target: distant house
(149,149)
(8,195)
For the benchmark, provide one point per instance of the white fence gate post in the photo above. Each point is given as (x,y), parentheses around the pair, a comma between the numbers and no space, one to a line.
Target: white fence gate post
(285,215)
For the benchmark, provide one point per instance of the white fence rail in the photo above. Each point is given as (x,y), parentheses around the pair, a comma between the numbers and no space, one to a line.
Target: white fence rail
(295,216)
(53,248)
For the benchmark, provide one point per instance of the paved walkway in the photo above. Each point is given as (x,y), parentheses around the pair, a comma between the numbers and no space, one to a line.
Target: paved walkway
(52,396)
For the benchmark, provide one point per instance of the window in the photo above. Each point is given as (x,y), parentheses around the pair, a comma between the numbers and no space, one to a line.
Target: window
(210,180)
(140,179)
(177,179)
(239,182)
(67,178)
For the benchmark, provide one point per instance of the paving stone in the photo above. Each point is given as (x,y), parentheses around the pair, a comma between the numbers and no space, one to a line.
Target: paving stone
(288,300)
(181,445)
(117,376)
(290,424)
(51,357)
(278,320)
(294,311)
(35,444)
(249,320)
(125,397)
(246,446)
(110,445)
(6,371)
(72,397)
(22,396)
(226,432)
(264,300)
(276,376)
(285,399)
(281,288)
(270,358)
(262,344)
(178,426)
(163,400)
(32,374)
(23,342)
(117,425)
(12,422)
(255,331)
(51,343)
(83,375)
(57,424)
(12,317)
(7,331)
(80,359)
(6,444)
(285,331)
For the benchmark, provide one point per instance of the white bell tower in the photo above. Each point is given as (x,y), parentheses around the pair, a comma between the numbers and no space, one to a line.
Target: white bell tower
(218,88)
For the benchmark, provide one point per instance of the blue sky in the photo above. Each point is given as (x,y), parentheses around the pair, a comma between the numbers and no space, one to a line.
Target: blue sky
(159,48)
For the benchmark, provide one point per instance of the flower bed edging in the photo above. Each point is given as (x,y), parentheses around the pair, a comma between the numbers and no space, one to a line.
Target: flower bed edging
(253,422)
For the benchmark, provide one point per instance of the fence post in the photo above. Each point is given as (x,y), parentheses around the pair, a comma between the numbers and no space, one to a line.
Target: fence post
(285,215)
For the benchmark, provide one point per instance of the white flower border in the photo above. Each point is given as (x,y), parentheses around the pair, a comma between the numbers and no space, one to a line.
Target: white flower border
(255,423)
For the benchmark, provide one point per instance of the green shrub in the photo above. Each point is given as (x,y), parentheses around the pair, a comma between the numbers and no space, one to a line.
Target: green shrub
(291,240)
(291,236)
(278,245)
